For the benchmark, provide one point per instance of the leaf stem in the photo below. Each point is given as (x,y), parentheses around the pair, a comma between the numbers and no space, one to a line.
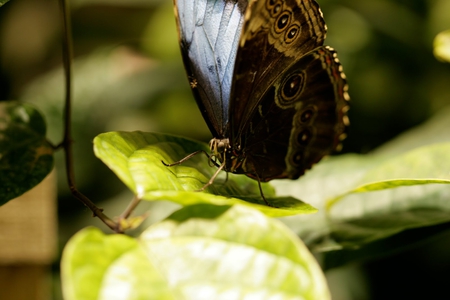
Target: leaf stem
(130,208)
(67,140)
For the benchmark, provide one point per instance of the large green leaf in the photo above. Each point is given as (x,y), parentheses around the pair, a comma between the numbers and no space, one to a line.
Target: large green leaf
(26,157)
(136,158)
(200,252)
(407,191)
(86,259)
(332,177)
(426,165)
(374,197)
(2,2)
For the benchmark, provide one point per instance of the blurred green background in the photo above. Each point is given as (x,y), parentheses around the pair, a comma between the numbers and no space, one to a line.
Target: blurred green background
(128,75)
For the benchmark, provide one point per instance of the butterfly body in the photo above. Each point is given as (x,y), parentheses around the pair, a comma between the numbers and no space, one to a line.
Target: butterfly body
(274,98)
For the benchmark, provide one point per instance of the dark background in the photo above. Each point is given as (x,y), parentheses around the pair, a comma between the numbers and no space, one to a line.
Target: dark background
(128,75)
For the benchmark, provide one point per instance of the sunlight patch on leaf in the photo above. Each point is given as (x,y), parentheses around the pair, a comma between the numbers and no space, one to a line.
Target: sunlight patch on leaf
(86,259)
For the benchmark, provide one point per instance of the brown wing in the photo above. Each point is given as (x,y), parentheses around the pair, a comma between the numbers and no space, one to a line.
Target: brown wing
(301,118)
(275,34)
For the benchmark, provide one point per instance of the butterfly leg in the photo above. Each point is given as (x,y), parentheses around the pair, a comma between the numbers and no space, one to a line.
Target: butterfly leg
(261,191)
(185,158)
(262,194)
(211,181)
(211,159)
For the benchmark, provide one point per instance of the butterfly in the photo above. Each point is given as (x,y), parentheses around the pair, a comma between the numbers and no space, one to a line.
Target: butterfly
(273,96)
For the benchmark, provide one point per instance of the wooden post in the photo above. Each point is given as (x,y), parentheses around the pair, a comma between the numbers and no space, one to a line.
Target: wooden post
(28,243)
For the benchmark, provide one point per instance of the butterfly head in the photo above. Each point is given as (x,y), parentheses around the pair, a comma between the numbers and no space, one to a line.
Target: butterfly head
(232,157)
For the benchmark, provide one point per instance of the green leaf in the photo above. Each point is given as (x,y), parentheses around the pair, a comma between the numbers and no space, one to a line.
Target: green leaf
(372,197)
(86,259)
(442,46)
(405,192)
(26,158)
(333,176)
(133,276)
(200,252)
(426,165)
(2,2)
(136,158)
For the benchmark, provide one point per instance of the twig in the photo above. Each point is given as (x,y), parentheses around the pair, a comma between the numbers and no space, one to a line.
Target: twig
(130,207)
(67,140)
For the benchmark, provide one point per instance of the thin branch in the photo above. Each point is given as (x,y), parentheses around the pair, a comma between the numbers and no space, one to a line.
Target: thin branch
(126,214)
(67,141)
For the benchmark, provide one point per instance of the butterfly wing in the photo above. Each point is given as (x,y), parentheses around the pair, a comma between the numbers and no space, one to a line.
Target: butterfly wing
(209,32)
(301,118)
(285,91)
(275,34)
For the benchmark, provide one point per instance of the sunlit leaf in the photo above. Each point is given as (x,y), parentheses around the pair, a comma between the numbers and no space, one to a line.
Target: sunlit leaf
(372,197)
(442,46)
(136,158)
(26,158)
(331,177)
(407,191)
(200,252)
(86,259)
(426,165)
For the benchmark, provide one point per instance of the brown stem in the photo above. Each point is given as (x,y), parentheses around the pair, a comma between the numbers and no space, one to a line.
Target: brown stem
(67,141)
(126,214)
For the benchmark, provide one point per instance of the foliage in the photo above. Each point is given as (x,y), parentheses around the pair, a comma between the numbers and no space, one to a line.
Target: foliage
(386,196)
(26,156)
(137,159)
(352,206)
(202,251)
